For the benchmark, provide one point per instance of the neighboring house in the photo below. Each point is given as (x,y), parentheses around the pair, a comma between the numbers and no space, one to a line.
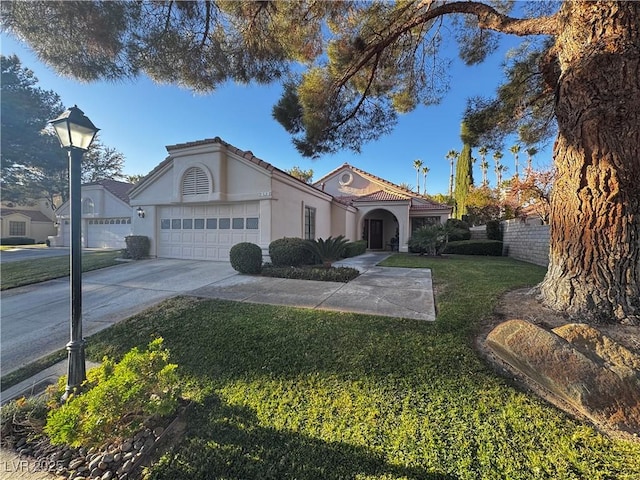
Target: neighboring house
(34,222)
(106,216)
(208,195)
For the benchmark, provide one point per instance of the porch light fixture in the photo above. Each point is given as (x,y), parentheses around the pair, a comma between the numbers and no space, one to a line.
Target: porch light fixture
(75,132)
(140,212)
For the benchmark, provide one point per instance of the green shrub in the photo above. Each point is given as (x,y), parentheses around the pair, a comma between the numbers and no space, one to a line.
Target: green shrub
(353,249)
(138,246)
(475,247)
(494,231)
(322,274)
(246,258)
(120,397)
(329,250)
(290,252)
(17,241)
(458,230)
(430,240)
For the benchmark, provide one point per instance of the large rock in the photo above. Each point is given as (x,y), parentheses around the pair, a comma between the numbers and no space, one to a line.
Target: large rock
(577,363)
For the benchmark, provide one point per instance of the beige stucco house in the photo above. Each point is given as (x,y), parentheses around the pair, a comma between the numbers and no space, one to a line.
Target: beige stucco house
(106,216)
(208,195)
(34,221)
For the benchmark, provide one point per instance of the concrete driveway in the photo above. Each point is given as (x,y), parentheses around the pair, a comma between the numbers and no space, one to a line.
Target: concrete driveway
(35,318)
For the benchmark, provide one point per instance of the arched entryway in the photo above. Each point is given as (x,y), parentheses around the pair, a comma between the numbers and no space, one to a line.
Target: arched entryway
(381,230)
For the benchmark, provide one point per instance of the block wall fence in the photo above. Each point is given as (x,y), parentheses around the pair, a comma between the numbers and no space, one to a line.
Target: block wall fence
(527,241)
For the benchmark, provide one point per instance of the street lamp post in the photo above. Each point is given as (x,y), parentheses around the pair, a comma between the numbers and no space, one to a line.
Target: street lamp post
(75,132)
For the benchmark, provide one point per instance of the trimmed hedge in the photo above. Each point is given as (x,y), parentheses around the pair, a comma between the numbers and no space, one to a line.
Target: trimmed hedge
(246,257)
(17,241)
(138,246)
(475,247)
(290,252)
(333,274)
(353,249)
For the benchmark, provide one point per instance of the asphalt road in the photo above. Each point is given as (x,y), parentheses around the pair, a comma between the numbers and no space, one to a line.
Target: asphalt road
(30,253)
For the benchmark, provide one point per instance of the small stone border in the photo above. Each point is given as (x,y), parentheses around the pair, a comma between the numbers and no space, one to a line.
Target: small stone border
(116,461)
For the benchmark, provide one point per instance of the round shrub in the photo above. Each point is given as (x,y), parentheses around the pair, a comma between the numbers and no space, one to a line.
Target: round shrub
(246,257)
(138,246)
(290,252)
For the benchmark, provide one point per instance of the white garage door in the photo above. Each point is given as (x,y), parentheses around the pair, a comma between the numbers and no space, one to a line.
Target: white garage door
(206,232)
(107,232)
(101,232)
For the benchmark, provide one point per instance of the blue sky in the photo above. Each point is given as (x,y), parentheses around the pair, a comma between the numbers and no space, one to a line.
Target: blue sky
(140,118)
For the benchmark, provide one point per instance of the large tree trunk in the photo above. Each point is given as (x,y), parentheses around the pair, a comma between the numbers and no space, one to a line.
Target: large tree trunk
(594,269)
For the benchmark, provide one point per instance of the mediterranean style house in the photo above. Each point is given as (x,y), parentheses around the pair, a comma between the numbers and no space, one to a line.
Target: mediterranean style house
(106,216)
(208,195)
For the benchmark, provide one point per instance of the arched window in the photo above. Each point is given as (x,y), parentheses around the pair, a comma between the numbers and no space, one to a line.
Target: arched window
(87,206)
(195,182)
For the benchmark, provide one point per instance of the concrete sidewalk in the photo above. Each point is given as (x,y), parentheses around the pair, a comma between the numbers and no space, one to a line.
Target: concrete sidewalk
(386,291)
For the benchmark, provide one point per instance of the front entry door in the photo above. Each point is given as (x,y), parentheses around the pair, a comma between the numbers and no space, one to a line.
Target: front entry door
(375,234)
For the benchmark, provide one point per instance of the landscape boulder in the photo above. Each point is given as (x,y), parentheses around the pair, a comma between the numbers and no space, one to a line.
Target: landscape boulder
(577,363)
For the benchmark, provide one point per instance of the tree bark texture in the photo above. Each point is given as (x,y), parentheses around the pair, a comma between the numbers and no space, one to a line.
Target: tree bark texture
(594,268)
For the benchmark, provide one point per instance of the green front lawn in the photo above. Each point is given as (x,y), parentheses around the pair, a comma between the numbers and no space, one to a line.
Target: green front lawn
(26,272)
(283,393)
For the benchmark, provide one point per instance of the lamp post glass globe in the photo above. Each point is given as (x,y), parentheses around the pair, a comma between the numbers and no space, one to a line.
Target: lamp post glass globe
(74,129)
(75,132)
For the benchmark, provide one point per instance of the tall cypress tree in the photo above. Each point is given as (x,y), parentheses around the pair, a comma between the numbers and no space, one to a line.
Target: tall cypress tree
(464,174)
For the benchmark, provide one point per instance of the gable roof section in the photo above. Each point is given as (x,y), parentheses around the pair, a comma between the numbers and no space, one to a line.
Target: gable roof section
(398,193)
(118,189)
(246,154)
(34,215)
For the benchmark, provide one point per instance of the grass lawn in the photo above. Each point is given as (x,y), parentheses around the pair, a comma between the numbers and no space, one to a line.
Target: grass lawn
(283,393)
(26,272)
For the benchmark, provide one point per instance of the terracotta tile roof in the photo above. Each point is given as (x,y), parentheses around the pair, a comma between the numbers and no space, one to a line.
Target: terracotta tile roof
(247,154)
(118,189)
(381,196)
(428,205)
(34,215)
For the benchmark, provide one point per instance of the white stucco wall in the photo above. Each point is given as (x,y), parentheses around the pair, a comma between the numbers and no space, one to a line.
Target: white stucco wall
(344,221)
(355,184)
(290,199)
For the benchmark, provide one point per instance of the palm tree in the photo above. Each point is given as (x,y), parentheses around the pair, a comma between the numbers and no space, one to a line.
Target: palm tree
(497,155)
(499,170)
(531,151)
(417,164)
(452,155)
(515,150)
(484,166)
(425,170)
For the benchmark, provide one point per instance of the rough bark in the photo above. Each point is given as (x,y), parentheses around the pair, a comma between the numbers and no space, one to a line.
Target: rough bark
(594,269)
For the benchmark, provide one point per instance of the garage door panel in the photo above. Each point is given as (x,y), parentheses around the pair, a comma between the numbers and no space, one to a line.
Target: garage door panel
(108,233)
(206,231)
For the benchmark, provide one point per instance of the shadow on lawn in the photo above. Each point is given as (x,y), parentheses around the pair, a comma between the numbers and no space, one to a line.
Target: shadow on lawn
(233,445)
